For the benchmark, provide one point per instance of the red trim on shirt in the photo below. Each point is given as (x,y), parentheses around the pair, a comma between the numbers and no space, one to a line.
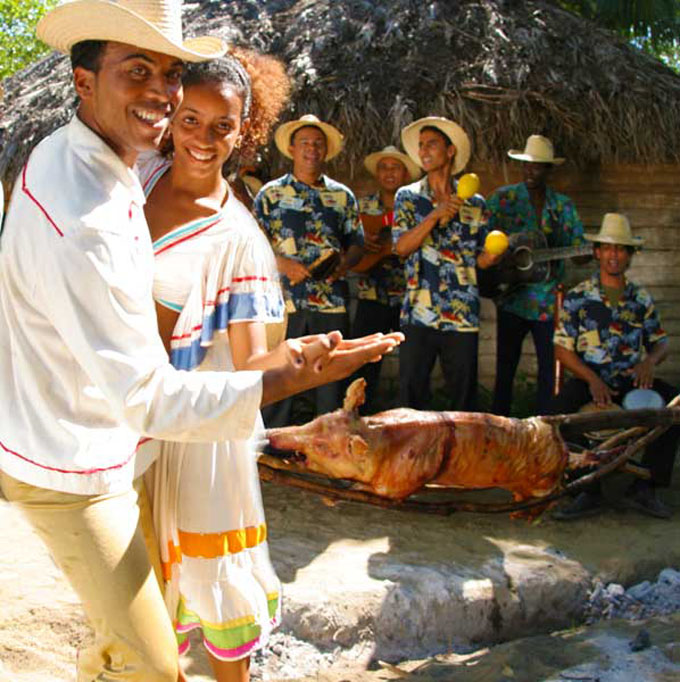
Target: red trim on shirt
(80,472)
(27,192)
(188,236)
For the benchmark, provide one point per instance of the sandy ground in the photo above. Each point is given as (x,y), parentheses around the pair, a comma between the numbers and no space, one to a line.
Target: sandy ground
(316,548)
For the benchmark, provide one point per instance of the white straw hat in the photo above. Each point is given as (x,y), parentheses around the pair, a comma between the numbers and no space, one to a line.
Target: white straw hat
(411,133)
(391,152)
(284,133)
(538,149)
(154,25)
(615,229)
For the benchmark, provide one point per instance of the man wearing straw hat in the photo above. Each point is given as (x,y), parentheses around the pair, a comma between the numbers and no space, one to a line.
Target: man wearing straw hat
(83,371)
(382,284)
(313,224)
(610,338)
(441,239)
(531,206)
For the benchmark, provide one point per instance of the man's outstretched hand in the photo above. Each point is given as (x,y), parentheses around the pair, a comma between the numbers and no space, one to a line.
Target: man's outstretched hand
(312,361)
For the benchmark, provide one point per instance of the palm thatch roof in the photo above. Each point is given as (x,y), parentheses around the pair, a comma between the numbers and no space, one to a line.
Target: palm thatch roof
(502,68)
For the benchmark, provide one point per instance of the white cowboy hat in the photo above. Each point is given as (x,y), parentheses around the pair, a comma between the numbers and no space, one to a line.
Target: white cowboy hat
(391,152)
(154,25)
(411,133)
(538,149)
(615,229)
(285,132)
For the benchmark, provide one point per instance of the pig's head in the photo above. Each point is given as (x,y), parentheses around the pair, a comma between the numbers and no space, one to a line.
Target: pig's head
(335,444)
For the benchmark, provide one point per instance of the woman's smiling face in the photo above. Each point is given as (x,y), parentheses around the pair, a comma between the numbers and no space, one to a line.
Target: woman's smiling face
(207,126)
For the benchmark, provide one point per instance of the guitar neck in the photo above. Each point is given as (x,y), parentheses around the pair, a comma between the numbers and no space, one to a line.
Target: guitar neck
(545,255)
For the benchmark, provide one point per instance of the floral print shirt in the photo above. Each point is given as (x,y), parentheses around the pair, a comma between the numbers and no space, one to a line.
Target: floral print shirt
(511,210)
(610,339)
(302,223)
(385,281)
(441,276)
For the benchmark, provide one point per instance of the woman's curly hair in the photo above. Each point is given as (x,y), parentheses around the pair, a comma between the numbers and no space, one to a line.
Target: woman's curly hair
(261,82)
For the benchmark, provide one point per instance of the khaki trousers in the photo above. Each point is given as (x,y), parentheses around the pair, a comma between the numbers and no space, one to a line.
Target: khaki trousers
(98,541)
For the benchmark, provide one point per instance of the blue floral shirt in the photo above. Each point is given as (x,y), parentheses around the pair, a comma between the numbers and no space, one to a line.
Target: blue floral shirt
(441,275)
(511,210)
(302,223)
(385,281)
(610,339)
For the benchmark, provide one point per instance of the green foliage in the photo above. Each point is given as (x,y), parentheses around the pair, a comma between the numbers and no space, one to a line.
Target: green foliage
(18,43)
(655,20)
(651,25)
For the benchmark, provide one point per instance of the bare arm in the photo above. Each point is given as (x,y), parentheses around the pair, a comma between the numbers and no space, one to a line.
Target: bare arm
(643,372)
(293,269)
(413,238)
(601,393)
(317,360)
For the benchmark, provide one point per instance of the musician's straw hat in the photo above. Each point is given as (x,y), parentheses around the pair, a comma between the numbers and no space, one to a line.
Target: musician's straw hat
(154,25)
(285,132)
(538,149)
(615,229)
(390,152)
(410,137)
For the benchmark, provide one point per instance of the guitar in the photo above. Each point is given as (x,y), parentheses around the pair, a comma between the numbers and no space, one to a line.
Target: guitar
(528,260)
(374,225)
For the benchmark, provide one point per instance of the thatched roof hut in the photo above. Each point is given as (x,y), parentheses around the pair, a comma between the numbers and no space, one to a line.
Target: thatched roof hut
(502,68)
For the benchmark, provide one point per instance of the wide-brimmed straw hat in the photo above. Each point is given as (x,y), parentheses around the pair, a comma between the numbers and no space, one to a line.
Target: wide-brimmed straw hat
(538,149)
(285,132)
(615,229)
(391,152)
(411,133)
(154,25)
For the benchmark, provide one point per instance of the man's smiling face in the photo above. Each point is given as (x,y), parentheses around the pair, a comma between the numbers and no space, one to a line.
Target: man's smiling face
(131,98)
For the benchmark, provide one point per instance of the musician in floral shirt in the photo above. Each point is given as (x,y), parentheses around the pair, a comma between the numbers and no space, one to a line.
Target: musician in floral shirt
(441,239)
(308,216)
(381,285)
(610,338)
(530,307)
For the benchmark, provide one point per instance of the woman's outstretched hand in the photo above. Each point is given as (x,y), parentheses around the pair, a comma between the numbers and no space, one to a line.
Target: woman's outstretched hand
(311,361)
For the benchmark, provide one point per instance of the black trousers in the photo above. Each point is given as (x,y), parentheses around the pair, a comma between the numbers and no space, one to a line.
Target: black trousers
(372,317)
(328,397)
(659,456)
(457,352)
(510,332)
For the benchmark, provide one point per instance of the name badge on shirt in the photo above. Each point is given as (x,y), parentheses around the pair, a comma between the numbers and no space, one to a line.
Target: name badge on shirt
(589,339)
(431,255)
(470,215)
(424,315)
(333,199)
(294,203)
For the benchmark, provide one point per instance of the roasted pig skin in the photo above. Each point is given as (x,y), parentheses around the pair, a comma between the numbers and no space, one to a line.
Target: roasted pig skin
(398,451)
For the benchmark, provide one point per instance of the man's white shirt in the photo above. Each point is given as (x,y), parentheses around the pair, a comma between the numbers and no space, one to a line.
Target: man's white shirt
(83,371)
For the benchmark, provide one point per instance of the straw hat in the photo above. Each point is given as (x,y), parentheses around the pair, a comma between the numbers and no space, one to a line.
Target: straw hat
(538,149)
(285,132)
(391,152)
(615,229)
(150,24)
(411,133)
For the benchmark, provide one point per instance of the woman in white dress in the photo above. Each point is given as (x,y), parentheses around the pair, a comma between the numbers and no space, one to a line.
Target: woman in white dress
(216,287)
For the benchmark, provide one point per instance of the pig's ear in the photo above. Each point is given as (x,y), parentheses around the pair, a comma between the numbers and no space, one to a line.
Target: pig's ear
(355,396)
(358,447)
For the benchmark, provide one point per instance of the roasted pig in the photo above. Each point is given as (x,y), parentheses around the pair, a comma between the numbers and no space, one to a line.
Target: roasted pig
(394,453)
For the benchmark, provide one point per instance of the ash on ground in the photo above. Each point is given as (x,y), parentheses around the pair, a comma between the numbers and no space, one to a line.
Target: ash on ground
(640,601)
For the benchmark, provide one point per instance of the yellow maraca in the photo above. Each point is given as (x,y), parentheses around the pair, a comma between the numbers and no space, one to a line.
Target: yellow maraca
(468,185)
(496,242)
